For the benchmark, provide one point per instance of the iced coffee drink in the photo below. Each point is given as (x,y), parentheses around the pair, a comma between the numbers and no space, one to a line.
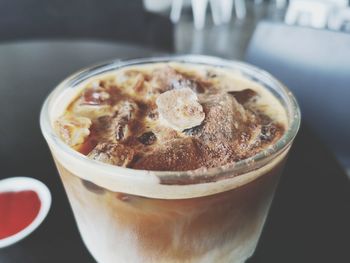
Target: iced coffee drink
(170,159)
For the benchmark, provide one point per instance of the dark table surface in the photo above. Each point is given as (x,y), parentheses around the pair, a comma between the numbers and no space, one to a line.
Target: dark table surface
(310,217)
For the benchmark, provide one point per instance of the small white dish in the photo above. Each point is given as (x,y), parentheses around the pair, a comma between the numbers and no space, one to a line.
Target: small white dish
(16,184)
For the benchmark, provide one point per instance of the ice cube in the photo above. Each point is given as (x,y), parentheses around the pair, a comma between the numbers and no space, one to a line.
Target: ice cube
(224,118)
(179,109)
(94,102)
(126,110)
(130,80)
(220,133)
(163,78)
(117,128)
(177,155)
(112,153)
(166,78)
(95,96)
(73,129)
(91,111)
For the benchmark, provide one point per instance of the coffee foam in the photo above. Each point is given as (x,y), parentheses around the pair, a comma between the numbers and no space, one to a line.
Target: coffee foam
(148,183)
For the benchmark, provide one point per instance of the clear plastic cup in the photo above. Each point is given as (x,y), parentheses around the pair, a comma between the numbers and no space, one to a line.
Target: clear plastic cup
(128,215)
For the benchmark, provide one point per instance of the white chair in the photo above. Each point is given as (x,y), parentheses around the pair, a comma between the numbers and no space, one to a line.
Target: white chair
(221,11)
(313,13)
(340,20)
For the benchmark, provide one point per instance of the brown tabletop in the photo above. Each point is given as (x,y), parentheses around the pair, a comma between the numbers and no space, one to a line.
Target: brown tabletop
(309,218)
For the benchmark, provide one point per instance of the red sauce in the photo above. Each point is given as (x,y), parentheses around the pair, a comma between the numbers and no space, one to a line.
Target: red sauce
(17,211)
